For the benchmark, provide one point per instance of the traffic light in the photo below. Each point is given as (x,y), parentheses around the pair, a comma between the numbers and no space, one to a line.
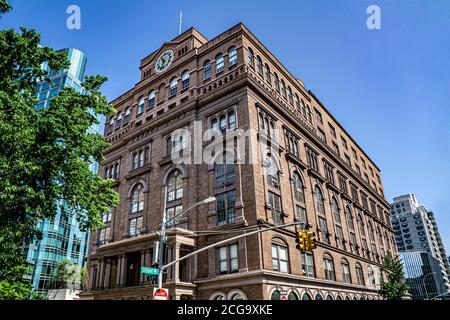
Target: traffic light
(300,240)
(310,240)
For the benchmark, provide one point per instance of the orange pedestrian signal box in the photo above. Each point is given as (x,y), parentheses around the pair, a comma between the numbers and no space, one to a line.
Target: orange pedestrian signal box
(160,294)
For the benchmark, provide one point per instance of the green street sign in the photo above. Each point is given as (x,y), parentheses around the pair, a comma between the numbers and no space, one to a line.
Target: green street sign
(150,271)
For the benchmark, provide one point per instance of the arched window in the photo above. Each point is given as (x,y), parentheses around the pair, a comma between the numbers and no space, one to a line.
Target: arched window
(174,196)
(303,107)
(290,96)
(275,295)
(335,210)
(151,99)
(280,256)
(141,158)
(371,277)
(250,57)
(337,222)
(318,198)
(277,81)
(297,103)
(319,297)
(140,108)
(116,171)
(218,296)
(299,197)
(127,115)
(292,296)
(185,79)
(232,56)
(207,70)
(214,124)
(237,296)
(329,297)
(219,63)
(268,79)
(137,199)
(111,126)
(308,113)
(119,120)
(283,88)
(349,218)
(223,123)
(135,162)
(359,274)
(371,232)
(231,120)
(306,296)
(174,186)
(259,65)
(173,87)
(328,267)
(346,271)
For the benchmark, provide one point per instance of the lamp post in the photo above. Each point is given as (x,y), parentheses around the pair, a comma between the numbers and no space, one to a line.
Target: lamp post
(162,235)
(423,281)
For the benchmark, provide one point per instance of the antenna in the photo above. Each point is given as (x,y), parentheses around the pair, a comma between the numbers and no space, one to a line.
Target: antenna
(181,22)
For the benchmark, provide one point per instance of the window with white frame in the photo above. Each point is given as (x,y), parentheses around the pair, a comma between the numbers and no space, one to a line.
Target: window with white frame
(232,56)
(228,259)
(141,103)
(328,267)
(307,264)
(220,65)
(280,257)
(185,80)
(151,99)
(173,87)
(207,70)
(137,199)
(135,226)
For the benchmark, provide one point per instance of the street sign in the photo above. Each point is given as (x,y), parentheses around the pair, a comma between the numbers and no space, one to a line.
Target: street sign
(160,294)
(150,271)
(283,295)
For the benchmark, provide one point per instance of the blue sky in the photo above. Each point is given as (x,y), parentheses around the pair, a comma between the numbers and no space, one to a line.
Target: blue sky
(389,88)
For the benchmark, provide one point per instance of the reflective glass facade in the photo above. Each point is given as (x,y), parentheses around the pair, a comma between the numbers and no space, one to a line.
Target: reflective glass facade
(61,237)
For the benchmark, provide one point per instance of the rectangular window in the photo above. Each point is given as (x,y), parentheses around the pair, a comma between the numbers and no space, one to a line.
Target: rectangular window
(346,273)
(359,276)
(280,260)
(328,268)
(275,203)
(300,213)
(324,230)
(307,264)
(318,115)
(332,130)
(135,226)
(339,237)
(225,207)
(172,212)
(312,160)
(344,142)
(321,135)
(336,148)
(223,261)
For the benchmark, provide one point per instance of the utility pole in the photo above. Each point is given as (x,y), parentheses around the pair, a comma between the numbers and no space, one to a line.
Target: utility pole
(162,242)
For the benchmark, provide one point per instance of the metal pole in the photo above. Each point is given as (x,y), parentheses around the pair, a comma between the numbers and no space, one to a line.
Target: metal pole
(228,240)
(162,243)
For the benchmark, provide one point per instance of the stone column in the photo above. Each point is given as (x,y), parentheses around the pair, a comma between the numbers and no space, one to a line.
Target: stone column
(107,277)
(101,273)
(176,256)
(121,271)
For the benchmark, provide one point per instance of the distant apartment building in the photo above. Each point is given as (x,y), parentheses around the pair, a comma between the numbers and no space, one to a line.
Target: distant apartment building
(61,237)
(418,239)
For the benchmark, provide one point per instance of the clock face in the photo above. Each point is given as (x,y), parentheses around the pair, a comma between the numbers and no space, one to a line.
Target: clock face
(164,61)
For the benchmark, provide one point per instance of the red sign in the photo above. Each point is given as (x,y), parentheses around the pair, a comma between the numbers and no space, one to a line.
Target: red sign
(160,294)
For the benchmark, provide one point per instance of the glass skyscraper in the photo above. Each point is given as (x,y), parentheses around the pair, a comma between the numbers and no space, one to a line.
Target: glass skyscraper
(61,237)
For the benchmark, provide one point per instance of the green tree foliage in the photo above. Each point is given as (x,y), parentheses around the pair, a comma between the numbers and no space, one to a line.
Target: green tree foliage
(395,287)
(45,153)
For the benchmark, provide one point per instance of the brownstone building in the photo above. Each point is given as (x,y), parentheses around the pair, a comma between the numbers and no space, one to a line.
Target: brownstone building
(322,176)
